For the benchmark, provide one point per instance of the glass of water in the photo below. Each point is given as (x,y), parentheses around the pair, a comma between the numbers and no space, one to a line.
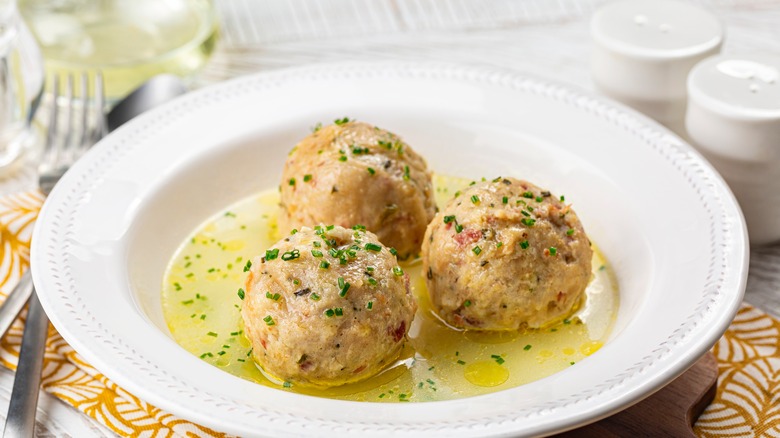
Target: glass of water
(128,40)
(21,86)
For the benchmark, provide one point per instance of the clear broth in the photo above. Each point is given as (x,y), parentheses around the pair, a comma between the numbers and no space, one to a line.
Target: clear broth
(201,307)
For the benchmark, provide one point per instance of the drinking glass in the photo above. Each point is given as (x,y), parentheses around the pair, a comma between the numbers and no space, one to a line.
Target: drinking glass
(21,85)
(128,40)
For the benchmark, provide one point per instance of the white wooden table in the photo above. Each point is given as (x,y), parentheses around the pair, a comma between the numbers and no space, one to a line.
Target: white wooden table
(542,37)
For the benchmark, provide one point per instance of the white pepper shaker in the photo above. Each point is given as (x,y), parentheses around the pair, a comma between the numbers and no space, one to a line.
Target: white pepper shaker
(644,49)
(733,119)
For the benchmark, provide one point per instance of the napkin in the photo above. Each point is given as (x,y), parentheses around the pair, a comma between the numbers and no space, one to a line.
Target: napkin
(747,401)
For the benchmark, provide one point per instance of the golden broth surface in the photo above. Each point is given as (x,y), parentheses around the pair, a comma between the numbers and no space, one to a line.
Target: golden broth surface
(201,307)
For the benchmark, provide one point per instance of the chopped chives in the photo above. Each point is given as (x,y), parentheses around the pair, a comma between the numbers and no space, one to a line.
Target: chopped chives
(344,289)
(524,244)
(499,244)
(460,362)
(528,195)
(393,251)
(343,158)
(370,305)
(324,264)
(292,181)
(314,297)
(458,227)
(563,198)
(316,253)
(204,355)
(338,311)
(539,199)
(477,250)
(371,171)
(527,222)
(467,303)
(553,251)
(241,293)
(474,199)
(341,121)
(212,334)
(291,255)
(271,296)
(505,200)
(269,320)
(329,313)
(527,347)
(448,219)
(373,247)
(372,281)
(570,232)
(398,271)
(307,178)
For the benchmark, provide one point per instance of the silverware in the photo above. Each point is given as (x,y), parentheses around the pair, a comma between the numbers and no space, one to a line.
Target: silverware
(157,90)
(61,150)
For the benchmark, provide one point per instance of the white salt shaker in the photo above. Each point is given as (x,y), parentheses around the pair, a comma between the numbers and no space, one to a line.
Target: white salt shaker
(644,49)
(733,118)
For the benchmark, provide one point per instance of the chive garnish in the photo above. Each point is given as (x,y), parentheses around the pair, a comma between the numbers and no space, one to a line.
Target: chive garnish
(527,222)
(291,255)
(212,334)
(528,195)
(371,171)
(373,247)
(269,320)
(241,293)
(341,121)
(477,250)
(570,232)
(524,244)
(398,271)
(393,251)
(553,251)
(344,288)
(505,200)
(474,199)
(314,297)
(499,360)
(270,254)
(316,253)
(370,305)
(527,347)
(271,296)
(467,303)
(307,177)
(448,219)
(324,264)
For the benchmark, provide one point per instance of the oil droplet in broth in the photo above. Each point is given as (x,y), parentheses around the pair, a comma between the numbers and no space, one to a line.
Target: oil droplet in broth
(486,373)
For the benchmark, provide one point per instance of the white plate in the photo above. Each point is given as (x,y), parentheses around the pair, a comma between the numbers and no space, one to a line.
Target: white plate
(664,218)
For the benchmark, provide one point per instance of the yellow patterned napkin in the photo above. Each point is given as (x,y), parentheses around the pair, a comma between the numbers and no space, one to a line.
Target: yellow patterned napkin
(747,401)
(65,374)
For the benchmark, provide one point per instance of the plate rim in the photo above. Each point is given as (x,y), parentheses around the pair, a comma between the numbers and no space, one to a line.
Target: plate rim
(732,234)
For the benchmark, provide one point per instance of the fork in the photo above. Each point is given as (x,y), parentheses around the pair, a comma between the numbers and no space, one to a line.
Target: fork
(61,150)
